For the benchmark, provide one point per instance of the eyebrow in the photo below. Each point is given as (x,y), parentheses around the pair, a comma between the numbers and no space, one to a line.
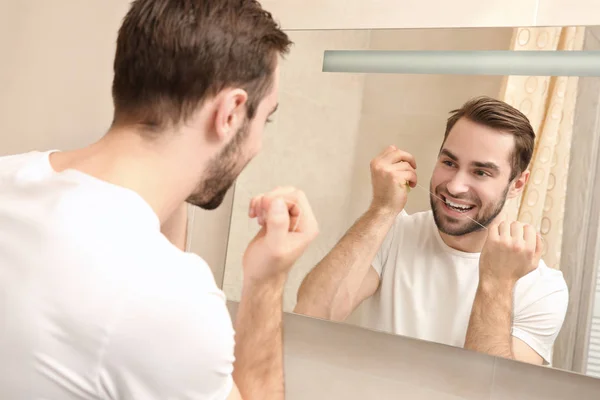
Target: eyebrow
(478,164)
(274,109)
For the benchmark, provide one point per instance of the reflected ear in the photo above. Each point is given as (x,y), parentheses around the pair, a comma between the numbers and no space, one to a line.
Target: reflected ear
(518,184)
(230,112)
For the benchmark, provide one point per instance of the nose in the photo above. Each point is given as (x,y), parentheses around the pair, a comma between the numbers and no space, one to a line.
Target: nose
(457,185)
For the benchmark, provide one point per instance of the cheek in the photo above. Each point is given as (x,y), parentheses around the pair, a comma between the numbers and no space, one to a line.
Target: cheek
(489,194)
(254,141)
(440,175)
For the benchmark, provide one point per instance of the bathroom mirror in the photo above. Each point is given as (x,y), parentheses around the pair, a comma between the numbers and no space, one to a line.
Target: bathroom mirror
(330,125)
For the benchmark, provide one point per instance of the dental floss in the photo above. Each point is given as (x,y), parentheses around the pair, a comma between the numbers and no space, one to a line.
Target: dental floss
(439,198)
(442,200)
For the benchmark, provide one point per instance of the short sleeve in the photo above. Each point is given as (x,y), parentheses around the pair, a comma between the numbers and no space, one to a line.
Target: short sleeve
(539,322)
(175,342)
(382,255)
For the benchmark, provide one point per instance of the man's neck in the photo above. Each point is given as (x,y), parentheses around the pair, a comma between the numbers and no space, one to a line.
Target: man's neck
(125,159)
(469,243)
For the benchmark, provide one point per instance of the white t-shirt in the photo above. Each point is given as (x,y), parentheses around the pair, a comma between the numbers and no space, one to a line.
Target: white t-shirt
(428,288)
(98,303)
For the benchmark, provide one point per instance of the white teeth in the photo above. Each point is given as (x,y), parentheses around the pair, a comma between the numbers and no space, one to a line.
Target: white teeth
(459,207)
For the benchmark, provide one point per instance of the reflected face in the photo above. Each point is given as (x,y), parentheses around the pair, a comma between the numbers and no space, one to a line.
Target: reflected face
(471,178)
(223,169)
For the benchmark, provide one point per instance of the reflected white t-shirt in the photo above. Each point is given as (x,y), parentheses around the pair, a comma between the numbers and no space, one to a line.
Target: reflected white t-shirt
(428,288)
(97,303)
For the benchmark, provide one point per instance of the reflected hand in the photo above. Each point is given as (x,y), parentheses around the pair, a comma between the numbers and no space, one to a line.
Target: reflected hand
(288,225)
(511,251)
(391,171)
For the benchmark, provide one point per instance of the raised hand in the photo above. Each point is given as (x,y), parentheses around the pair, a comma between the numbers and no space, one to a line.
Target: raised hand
(288,226)
(391,172)
(511,251)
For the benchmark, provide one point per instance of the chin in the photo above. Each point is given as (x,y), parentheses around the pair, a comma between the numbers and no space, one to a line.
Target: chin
(453,225)
(211,204)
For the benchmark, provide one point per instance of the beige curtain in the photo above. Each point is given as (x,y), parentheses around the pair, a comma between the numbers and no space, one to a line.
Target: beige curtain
(549,103)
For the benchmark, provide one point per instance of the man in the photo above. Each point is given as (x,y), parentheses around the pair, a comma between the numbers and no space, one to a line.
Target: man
(423,274)
(97,302)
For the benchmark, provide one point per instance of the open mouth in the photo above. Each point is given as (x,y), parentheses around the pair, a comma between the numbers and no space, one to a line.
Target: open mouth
(457,207)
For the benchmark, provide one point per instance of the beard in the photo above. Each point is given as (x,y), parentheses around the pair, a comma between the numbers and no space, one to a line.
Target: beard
(221,173)
(463,226)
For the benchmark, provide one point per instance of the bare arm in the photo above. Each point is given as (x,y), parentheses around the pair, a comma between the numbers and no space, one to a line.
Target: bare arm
(258,369)
(489,329)
(490,326)
(511,251)
(344,278)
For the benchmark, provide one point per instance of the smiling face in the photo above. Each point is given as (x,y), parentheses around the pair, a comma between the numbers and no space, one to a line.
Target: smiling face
(472,178)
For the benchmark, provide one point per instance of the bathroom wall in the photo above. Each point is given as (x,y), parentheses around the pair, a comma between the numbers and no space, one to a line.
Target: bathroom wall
(384,14)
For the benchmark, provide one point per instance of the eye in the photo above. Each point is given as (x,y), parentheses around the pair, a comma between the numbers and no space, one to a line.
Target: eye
(269,120)
(448,163)
(480,172)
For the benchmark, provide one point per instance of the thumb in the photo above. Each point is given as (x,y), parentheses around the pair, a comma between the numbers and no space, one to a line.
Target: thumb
(277,222)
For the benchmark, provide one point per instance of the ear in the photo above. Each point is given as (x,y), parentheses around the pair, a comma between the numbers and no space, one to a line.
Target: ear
(517,186)
(230,112)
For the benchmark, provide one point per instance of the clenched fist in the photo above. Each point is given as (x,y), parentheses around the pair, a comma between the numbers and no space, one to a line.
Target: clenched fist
(391,171)
(288,226)
(511,251)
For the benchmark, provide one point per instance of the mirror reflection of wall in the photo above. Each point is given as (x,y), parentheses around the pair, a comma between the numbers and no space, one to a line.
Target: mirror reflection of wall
(331,125)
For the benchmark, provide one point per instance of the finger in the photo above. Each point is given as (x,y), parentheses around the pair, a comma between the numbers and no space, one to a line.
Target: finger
(252,208)
(289,196)
(307,222)
(294,211)
(493,231)
(259,207)
(516,231)
(409,176)
(277,221)
(504,230)
(387,150)
(400,156)
(258,210)
(302,219)
(530,236)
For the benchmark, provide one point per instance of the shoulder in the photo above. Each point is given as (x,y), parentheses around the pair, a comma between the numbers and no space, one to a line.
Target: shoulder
(13,162)
(174,334)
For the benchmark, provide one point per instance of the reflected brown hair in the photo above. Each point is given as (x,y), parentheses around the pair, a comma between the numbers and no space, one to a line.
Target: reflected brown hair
(172,55)
(499,115)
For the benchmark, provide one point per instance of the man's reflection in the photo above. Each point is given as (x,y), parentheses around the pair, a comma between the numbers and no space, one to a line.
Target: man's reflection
(456,274)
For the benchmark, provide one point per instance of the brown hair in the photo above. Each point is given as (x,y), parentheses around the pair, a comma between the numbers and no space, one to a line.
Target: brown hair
(172,55)
(499,115)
